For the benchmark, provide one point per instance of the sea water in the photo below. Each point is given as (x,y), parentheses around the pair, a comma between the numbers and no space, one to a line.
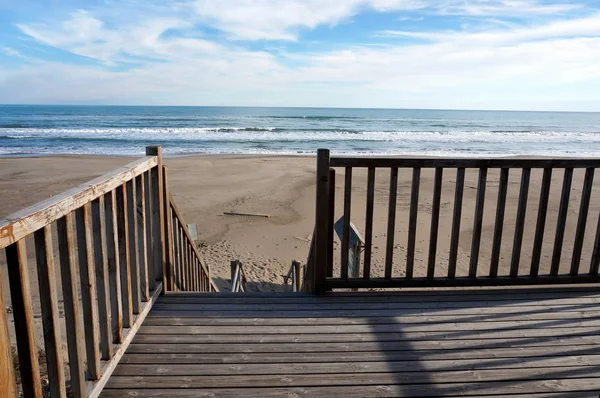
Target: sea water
(125,130)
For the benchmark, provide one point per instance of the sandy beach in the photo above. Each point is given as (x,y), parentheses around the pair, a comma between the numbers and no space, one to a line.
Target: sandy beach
(205,187)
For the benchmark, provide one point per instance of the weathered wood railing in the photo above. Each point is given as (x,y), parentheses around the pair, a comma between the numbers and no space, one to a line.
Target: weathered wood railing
(189,273)
(323,266)
(115,257)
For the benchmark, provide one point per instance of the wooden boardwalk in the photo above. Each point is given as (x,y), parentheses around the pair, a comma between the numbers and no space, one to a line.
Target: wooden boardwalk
(532,342)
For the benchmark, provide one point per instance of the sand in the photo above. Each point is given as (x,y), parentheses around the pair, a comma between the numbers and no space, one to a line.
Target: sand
(283,187)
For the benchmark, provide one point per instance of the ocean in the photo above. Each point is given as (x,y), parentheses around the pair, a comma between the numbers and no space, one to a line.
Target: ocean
(125,130)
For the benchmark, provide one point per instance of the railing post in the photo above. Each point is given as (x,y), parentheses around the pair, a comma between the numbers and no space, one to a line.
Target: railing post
(158,196)
(331,218)
(321,223)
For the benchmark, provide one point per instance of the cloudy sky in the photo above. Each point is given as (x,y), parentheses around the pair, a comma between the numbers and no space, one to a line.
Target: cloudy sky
(458,54)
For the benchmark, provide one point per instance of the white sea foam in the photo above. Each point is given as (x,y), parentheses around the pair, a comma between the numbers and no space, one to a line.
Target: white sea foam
(273,134)
(269,140)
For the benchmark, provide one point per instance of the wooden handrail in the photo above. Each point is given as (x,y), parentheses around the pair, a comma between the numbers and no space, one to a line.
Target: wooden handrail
(474,163)
(323,246)
(27,221)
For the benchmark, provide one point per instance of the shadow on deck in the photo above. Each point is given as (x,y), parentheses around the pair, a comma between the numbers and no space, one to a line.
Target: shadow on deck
(525,342)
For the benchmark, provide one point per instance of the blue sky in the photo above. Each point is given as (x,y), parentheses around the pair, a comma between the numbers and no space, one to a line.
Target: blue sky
(458,54)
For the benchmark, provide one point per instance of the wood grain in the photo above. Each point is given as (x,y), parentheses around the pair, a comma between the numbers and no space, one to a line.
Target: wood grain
(50,315)
(456,216)
(412,222)
(87,278)
(20,294)
(75,335)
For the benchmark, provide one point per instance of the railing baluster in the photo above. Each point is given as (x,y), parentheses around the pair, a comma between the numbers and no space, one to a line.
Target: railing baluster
(116,307)
(435,220)
(150,242)
(87,276)
(193,269)
(176,263)
(193,262)
(18,276)
(458,199)
(586,192)
(369,222)
(188,271)
(134,263)
(391,226)
(331,230)
(202,277)
(561,222)
(412,222)
(595,261)
(186,251)
(140,202)
(346,231)
(197,270)
(102,277)
(478,222)
(102,281)
(499,223)
(50,314)
(71,302)
(184,270)
(123,250)
(541,222)
(8,382)
(188,274)
(520,223)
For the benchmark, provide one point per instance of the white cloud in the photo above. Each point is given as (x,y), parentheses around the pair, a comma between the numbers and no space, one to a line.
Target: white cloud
(281,19)
(503,7)
(580,27)
(85,35)
(11,52)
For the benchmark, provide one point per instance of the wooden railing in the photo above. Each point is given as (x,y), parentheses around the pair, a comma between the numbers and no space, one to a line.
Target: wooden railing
(238,277)
(476,274)
(189,273)
(113,250)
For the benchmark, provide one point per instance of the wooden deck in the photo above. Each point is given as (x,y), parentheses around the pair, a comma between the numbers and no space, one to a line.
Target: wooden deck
(532,342)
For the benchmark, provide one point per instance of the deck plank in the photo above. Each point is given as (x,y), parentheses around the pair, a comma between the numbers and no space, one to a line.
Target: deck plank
(352,379)
(384,366)
(584,388)
(364,356)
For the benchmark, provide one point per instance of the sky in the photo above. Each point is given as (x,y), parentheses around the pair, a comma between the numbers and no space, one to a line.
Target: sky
(444,54)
